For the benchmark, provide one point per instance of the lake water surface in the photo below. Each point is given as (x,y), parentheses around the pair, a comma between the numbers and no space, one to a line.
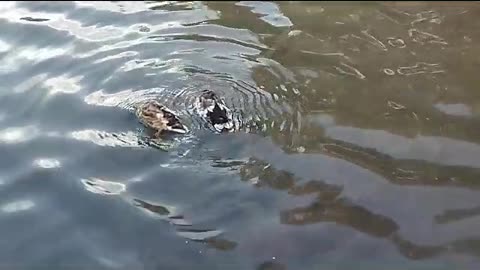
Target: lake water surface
(357,142)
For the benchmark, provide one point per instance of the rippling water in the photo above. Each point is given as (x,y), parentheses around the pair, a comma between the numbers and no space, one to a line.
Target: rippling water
(357,142)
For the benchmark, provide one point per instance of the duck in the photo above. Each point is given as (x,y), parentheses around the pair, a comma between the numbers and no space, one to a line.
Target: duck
(213,110)
(159,118)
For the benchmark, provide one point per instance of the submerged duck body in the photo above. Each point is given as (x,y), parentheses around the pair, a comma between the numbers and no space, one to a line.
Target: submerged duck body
(211,108)
(159,118)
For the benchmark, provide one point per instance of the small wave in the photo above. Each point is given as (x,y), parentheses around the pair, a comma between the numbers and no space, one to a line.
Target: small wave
(103,187)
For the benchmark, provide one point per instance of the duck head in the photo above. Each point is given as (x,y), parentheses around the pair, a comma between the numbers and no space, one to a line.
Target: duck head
(214,111)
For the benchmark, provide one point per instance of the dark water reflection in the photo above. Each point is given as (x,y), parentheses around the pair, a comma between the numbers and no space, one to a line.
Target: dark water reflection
(357,143)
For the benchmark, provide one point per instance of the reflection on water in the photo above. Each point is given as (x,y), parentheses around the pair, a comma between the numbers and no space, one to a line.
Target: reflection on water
(356,145)
(17,206)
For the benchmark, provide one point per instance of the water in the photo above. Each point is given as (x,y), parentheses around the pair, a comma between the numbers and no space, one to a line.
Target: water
(357,142)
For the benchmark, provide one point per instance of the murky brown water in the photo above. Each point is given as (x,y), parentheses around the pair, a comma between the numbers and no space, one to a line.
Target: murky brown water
(358,141)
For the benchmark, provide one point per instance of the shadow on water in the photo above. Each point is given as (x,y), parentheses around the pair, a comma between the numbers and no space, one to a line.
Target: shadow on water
(329,207)
(356,142)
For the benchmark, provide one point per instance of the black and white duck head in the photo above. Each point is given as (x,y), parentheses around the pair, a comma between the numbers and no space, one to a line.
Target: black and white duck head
(211,108)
